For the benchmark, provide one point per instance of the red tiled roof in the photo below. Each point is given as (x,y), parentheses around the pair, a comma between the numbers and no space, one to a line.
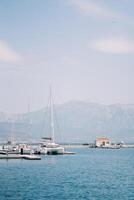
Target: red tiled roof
(102,139)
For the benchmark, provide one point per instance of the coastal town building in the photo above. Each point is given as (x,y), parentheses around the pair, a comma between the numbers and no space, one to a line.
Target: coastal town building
(102,142)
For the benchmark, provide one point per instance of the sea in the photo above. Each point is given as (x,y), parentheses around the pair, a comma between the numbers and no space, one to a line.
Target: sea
(90,174)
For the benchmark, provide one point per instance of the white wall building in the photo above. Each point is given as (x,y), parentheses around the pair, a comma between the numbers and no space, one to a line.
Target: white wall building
(102,142)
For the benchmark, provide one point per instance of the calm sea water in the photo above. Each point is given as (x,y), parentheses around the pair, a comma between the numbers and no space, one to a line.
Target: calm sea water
(92,174)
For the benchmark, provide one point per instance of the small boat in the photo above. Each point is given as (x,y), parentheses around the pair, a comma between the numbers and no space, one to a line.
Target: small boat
(31,157)
(25,149)
(12,148)
(50,147)
(69,153)
(110,147)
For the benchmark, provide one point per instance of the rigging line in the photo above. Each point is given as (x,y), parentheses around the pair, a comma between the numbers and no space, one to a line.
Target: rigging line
(57,124)
(29,125)
(45,119)
(51,115)
(12,129)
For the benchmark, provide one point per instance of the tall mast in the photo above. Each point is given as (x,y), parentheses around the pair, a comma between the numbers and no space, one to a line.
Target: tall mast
(12,130)
(51,115)
(29,120)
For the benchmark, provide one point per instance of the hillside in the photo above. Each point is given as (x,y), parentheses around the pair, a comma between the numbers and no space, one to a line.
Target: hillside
(77,122)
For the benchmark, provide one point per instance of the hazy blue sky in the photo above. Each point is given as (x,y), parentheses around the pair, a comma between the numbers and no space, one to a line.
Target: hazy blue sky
(84,48)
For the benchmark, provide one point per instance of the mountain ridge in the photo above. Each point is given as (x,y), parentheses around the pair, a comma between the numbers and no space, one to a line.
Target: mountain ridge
(78,121)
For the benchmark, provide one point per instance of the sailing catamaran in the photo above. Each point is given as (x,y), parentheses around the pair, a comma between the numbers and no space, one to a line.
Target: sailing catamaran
(48,145)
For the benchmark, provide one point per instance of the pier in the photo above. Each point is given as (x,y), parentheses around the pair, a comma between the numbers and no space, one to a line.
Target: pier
(15,156)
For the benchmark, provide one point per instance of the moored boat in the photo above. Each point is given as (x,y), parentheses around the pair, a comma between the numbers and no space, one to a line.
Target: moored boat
(48,146)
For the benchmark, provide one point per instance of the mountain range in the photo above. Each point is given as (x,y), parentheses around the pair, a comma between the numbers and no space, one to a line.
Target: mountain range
(75,121)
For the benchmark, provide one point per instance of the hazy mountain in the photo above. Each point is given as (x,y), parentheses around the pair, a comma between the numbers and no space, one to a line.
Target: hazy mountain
(77,121)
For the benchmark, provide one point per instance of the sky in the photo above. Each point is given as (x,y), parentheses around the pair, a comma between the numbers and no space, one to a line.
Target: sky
(83,48)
